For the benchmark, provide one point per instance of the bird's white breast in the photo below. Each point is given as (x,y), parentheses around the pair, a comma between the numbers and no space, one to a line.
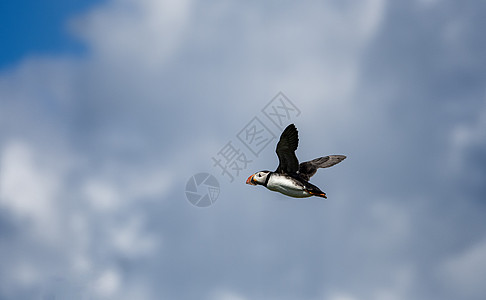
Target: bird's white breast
(287,186)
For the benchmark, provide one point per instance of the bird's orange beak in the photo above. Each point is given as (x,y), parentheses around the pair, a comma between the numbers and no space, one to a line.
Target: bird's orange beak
(250,180)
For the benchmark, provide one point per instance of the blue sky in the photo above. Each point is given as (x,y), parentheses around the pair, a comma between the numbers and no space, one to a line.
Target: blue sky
(34,27)
(108,109)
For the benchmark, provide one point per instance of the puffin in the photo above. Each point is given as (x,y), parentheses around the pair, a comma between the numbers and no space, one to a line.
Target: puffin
(292,178)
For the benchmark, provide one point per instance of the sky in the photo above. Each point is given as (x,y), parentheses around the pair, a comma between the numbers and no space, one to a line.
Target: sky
(109,108)
(33,27)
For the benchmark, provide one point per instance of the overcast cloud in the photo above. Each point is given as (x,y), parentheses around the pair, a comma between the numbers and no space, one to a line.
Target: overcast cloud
(96,150)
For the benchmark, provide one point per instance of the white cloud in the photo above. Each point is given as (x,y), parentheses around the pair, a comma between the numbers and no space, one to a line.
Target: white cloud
(465,271)
(396,286)
(465,136)
(371,17)
(151,182)
(225,294)
(428,3)
(387,227)
(111,192)
(108,284)
(101,195)
(130,239)
(26,188)
(341,296)
(26,274)
(401,282)
(99,106)
(146,32)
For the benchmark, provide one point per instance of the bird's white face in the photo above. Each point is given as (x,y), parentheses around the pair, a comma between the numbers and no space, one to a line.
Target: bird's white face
(257,178)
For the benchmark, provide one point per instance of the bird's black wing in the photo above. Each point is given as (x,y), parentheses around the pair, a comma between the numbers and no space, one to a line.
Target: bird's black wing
(289,140)
(309,168)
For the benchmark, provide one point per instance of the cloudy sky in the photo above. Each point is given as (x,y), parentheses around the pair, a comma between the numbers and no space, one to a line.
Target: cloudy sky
(108,108)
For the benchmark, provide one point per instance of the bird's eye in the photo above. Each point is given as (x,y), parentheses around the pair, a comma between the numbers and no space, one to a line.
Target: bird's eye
(259,175)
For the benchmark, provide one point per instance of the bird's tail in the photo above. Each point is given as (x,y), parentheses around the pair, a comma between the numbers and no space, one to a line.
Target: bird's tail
(314,190)
(321,194)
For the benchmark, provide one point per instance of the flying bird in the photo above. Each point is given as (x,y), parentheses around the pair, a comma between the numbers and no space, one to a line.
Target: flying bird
(292,178)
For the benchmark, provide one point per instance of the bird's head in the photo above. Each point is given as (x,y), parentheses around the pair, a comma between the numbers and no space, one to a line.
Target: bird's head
(258,178)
